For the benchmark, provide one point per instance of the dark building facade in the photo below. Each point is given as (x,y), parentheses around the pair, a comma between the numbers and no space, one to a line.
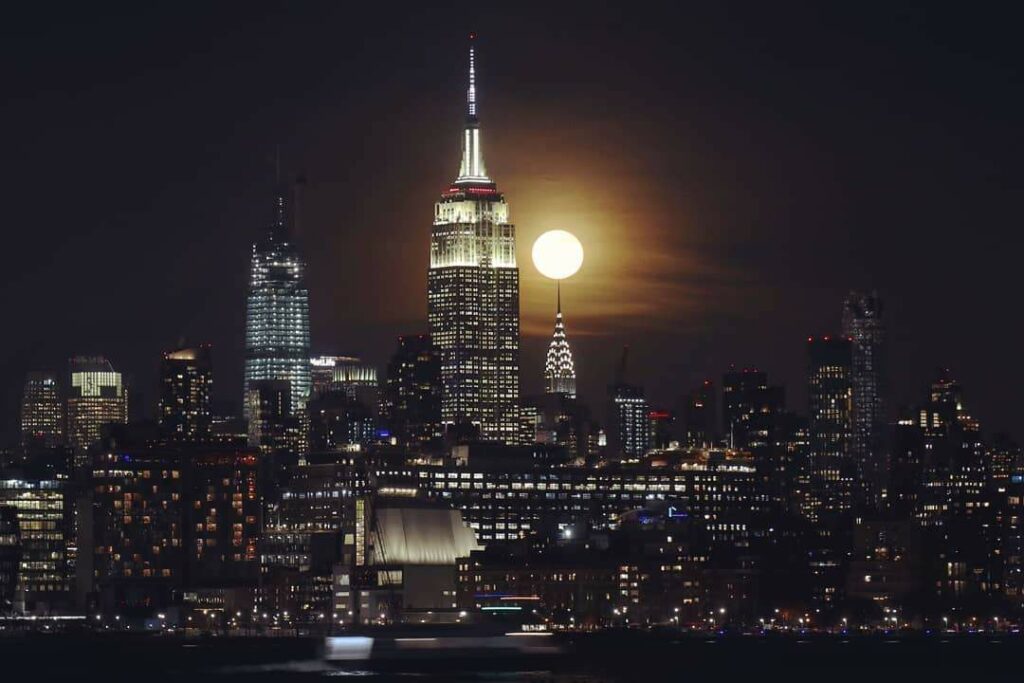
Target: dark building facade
(164,519)
(410,409)
(862,324)
(833,472)
(273,428)
(10,557)
(749,405)
(186,381)
(629,431)
(338,421)
(42,412)
(557,419)
(699,416)
(940,466)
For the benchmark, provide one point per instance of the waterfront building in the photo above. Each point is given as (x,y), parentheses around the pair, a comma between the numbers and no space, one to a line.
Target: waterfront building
(166,518)
(506,494)
(10,557)
(399,562)
(45,520)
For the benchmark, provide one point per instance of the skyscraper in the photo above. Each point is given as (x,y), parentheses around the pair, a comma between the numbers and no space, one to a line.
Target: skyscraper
(559,371)
(45,516)
(10,557)
(343,405)
(862,324)
(411,405)
(97,396)
(272,428)
(699,416)
(277,314)
(749,406)
(42,411)
(739,395)
(629,415)
(350,375)
(186,379)
(833,473)
(473,295)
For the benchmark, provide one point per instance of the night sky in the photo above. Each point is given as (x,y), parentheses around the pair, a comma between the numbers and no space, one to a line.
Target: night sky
(732,172)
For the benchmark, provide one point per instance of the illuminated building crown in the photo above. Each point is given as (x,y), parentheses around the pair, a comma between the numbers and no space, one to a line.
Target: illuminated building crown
(559,371)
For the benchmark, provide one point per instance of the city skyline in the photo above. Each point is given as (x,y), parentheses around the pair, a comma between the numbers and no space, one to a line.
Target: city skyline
(778,407)
(699,341)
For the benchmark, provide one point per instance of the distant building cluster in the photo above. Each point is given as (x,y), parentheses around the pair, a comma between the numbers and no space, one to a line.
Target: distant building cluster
(433,492)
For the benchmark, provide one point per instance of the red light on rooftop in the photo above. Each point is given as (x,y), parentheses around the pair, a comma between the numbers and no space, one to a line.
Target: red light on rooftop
(810,339)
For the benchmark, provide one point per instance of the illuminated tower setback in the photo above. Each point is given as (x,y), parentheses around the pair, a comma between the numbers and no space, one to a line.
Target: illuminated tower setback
(473,295)
(277,313)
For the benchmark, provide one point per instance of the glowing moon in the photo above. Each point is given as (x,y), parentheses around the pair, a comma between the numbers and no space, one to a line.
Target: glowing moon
(557,254)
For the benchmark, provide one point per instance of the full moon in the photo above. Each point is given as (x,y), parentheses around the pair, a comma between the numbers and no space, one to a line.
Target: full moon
(557,254)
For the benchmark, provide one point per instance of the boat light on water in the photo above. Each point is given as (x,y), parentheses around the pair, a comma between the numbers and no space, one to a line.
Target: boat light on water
(348,648)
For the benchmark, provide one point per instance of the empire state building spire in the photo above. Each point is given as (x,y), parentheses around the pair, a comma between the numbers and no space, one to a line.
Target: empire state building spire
(559,371)
(472,169)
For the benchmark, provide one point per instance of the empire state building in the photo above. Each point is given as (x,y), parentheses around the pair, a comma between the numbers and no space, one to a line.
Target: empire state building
(473,295)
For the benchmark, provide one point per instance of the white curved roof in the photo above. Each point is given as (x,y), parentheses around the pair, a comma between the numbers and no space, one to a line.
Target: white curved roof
(421,536)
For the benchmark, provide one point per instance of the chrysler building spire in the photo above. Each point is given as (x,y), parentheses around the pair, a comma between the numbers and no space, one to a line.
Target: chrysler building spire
(559,371)
(472,169)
